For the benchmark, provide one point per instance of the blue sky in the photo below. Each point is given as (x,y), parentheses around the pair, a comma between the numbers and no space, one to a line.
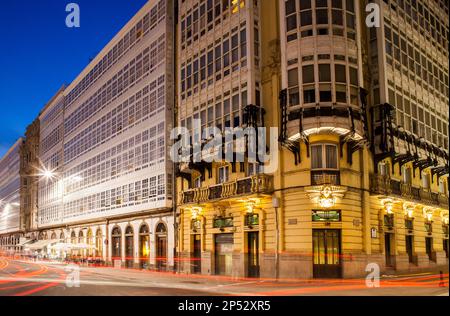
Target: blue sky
(39,53)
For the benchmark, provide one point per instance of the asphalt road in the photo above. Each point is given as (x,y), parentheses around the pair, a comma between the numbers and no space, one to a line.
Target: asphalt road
(26,278)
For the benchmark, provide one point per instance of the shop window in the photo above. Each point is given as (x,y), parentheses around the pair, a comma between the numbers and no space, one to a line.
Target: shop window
(252,220)
(222,222)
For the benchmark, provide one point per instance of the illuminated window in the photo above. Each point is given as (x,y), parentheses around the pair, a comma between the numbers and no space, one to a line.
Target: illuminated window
(236,5)
(324,156)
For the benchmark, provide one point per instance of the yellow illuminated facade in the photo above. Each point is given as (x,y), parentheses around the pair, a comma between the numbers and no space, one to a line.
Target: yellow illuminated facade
(338,200)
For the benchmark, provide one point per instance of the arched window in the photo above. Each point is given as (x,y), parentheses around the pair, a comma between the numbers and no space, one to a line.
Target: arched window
(73,238)
(144,230)
(98,243)
(90,242)
(129,231)
(161,228)
(116,235)
(129,247)
(80,236)
(144,246)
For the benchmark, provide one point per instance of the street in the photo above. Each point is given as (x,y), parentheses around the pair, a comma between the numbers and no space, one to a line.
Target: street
(27,278)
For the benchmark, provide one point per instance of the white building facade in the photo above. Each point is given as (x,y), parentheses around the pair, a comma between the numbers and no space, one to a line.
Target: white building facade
(10,198)
(105,138)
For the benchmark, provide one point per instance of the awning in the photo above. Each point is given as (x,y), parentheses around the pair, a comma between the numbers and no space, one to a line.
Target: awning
(23,243)
(69,246)
(41,244)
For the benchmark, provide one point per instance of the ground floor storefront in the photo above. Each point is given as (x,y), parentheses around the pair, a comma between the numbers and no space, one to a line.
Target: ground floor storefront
(294,238)
(145,242)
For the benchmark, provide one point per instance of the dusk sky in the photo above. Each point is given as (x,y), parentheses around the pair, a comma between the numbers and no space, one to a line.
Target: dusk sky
(39,53)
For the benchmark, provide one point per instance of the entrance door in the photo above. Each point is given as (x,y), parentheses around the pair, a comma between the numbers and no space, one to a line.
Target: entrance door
(388,249)
(223,254)
(429,247)
(161,252)
(327,253)
(197,254)
(410,247)
(161,247)
(253,255)
(129,257)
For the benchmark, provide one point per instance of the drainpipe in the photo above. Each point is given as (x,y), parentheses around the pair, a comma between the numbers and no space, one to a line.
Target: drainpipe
(276,205)
(107,240)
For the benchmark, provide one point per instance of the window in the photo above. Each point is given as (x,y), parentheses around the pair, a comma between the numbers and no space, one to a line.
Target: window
(425,181)
(294,96)
(309,94)
(442,187)
(383,169)
(324,156)
(407,175)
(197,183)
(340,74)
(308,74)
(324,73)
(253,169)
(224,174)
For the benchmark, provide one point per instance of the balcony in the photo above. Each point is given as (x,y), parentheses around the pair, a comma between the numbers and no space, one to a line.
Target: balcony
(258,184)
(381,185)
(325,177)
(384,185)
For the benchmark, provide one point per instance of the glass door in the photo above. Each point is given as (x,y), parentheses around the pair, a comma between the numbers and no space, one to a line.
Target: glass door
(410,247)
(327,253)
(197,254)
(388,249)
(253,255)
(223,254)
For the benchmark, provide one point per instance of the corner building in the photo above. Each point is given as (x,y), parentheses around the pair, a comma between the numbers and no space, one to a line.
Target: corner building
(340,198)
(105,137)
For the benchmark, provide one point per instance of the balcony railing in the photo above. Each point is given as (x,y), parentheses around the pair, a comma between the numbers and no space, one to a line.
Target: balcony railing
(252,185)
(380,185)
(323,177)
(384,185)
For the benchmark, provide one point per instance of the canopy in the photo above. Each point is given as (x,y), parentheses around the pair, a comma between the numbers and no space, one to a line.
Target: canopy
(41,244)
(69,246)
(24,242)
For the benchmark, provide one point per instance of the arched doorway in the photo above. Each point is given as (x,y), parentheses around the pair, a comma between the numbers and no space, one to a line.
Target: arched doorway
(99,244)
(82,253)
(144,246)
(53,236)
(62,237)
(116,246)
(90,242)
(73,241)
(129,249)
(161,247)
